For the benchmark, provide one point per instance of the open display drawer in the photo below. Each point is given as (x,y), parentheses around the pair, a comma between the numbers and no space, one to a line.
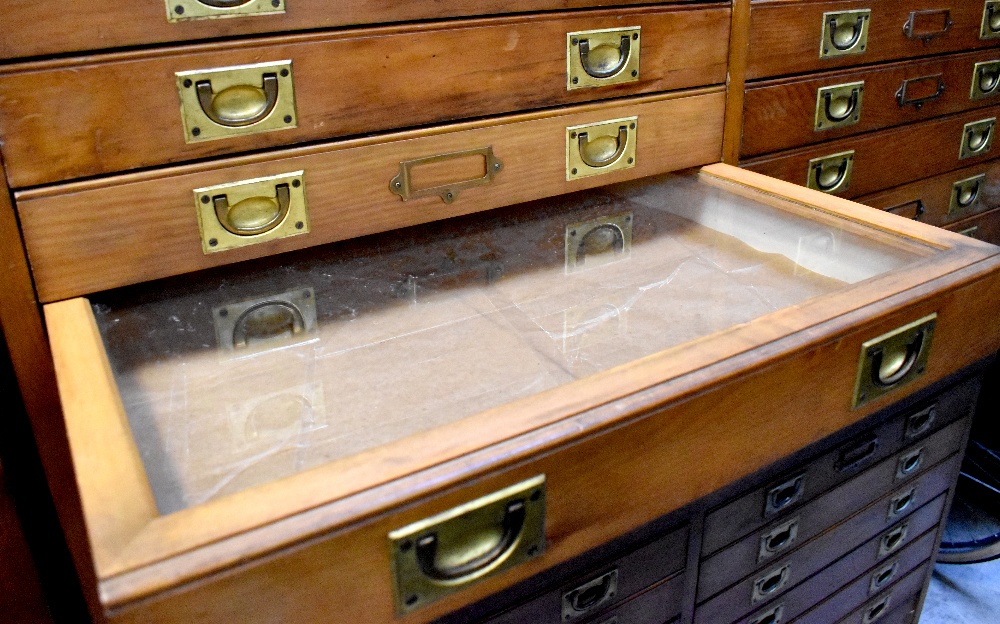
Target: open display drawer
(263,442)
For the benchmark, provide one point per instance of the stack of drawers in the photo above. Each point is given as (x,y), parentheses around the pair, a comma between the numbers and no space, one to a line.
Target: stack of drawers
(892,104)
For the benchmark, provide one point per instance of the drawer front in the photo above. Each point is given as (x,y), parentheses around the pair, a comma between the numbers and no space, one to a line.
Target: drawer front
(138,22)
(127,231)
(659,605)
(892,607)
(748,512)
(727,566)
(785,37)
(916,151)
(858,592)
(985,227)
(787,113)
(85,118)
(604,587)
(943,199)
(872,525)
(845,572)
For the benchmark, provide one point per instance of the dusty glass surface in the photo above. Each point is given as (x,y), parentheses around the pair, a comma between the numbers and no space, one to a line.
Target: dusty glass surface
(251,373)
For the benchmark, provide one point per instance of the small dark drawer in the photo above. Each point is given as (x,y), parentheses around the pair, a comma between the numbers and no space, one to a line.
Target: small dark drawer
(900,609)
(594,592)
(874,524)
(767,504)
(782,537)
(659,604)
(910,575)
(842,580)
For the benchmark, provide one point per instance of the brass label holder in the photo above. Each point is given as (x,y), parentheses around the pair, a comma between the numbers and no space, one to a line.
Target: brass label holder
(249,212)
(264,323)
(593,149)
(449,551)
(965,194)
(990,28)
(838,106)
(234,101)
(597,58)
(977,138)
(844,33)
(985,80)
(185,10)
(402,183)
(831,174)
(892,360)
(598,242)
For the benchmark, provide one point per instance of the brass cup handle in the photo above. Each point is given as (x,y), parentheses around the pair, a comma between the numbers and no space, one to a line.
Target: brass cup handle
(239,105)
(976,140)
(903,99)
(225,4)
(267,320)
(840,43)
(596,68)
(824,182)
(988,80)
(598,153)
(428,546)
(253,215)
(968,195)
(876,610)
(889,368)
(992,19)
(909,28)
(852,103)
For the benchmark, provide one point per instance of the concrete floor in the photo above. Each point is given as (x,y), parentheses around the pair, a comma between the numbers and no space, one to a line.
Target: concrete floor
(964,594)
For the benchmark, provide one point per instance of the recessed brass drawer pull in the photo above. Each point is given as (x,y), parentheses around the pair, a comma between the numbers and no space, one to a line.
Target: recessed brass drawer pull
(910,463)
(831,174)
(977,138)
(590,595)
(990,28)
(921,422)
(769,584)
(901,502)
(904,96)
(965,193)
(778,539)
(597,58)
(453,549)
(234,101)
(971,232)
(480,164)
(910,27)
(893,540)
(785,494)
(603,150)
(883,576)
(876,611)
(181,10)
(838,106)
(985,79)
(266,322)
(893,359)
(844,33)
(771,616)
(254,215)
(599,148)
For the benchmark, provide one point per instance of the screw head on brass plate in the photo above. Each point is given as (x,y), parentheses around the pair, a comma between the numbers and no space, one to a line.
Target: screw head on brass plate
(183,10)
(977,138)
(838,106)
(831,174)
(893,359)
(844,33)
(451,550)
(597,58)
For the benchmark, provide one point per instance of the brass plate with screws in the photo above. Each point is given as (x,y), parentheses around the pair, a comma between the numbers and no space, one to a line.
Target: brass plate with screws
(990,28)
(893,359)
(831,174)
(838,106)
(402,183)
(985,80)
(451,550)
(597,58)
(233,101)
(965,194)
(844,33)
(593,149)
(977,138)
(598,242)
(249,212)
(183,10)
(265,323)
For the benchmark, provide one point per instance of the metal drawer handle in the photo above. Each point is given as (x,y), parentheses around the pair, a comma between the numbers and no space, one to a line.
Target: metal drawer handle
(771,616)
(876,611)
(428,549)
(590,595)
(967,191)
(239,105)
(780,538)
(903,99)
(854,456)
(988,77)
(891,363)
(839,109)
(909,28)
(910,463)
(921,422)
(829,177)
(605,60)
(770,583)
(883,576)
(225,4)
(266,321)
(604,150)
(253,215)
(892,540)
(917,206)
(785,494)
(843,36)
(901,502)
(991,21)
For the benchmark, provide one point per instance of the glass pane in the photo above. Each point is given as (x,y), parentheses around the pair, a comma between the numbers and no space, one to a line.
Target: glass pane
(252,373)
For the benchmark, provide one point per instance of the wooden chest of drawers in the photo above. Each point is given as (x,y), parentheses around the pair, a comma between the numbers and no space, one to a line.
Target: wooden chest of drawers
(287,348)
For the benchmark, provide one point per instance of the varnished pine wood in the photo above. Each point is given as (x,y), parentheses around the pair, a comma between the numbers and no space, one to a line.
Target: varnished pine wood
(132,231)
(785,35)
(44,28)
(914,151)
(780,114)
(101,115)
(736,81)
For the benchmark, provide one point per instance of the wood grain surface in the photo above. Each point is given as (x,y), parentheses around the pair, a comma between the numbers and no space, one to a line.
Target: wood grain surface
(934,195)
(785,35)
(43,28)
(780,114)
(736,81)
(97,115)
(129,230)
(887,158)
